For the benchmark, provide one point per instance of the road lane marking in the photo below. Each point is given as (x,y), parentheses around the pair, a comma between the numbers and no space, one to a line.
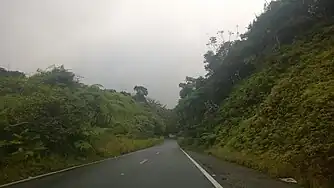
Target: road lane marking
(144,161)
(70,168)
(157,153)
(206,174)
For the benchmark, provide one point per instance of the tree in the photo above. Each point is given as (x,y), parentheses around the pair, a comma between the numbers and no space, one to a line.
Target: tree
(190,85)
(52,116)
(141,90)
(125,93)
(141,93)
(4,72)
(257,83)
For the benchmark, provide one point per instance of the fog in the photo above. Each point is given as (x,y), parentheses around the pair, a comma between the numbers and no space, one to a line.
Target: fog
(118,43)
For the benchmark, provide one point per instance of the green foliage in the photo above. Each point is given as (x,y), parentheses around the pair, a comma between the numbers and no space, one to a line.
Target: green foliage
(268,98)
(52,114)
(6,73)
(141,93)
(105,145)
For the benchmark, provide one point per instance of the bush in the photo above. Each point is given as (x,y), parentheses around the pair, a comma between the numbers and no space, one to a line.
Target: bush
(51,115)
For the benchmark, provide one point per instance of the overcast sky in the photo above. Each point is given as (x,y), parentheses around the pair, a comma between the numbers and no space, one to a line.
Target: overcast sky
(118,43)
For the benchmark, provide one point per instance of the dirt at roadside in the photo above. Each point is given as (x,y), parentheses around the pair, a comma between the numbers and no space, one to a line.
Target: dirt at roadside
(231,175)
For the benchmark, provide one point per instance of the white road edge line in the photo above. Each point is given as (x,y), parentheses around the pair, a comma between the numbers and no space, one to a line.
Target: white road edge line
(66,169)
(206,174)
(144,161)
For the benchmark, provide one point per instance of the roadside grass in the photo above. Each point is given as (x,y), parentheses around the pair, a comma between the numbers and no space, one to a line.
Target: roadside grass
(116,146)
(268,163)
(105,147)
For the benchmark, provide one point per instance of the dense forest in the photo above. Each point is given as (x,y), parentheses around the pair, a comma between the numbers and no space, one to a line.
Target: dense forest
(49,121)
(267,101)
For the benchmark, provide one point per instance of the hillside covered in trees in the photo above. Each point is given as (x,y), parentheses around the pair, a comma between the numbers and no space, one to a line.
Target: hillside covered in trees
(267,100)
(50,121)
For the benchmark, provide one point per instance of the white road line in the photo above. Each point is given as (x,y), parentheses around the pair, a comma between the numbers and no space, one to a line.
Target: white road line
(157,153)
(206,174)
(67,169)
(144,161)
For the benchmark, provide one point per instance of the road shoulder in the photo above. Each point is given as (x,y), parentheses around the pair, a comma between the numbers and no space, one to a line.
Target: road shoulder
(231,175)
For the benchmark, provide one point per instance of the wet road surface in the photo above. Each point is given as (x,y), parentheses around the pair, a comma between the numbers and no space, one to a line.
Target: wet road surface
(162,166)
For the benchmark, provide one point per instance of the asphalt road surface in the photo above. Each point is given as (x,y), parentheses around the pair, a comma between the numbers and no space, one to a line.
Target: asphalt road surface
(162,166)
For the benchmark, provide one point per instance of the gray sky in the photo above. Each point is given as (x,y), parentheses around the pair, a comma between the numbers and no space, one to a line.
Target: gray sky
(118,43)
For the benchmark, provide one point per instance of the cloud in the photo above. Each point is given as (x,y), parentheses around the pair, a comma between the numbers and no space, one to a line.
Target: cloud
(118,43)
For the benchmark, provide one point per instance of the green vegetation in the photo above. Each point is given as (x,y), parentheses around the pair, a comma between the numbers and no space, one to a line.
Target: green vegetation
(267,101)
(50,121)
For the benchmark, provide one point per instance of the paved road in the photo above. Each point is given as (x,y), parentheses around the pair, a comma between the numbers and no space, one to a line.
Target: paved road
(163,166)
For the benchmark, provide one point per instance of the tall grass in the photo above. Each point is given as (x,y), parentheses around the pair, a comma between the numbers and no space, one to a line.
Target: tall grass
(105,146)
